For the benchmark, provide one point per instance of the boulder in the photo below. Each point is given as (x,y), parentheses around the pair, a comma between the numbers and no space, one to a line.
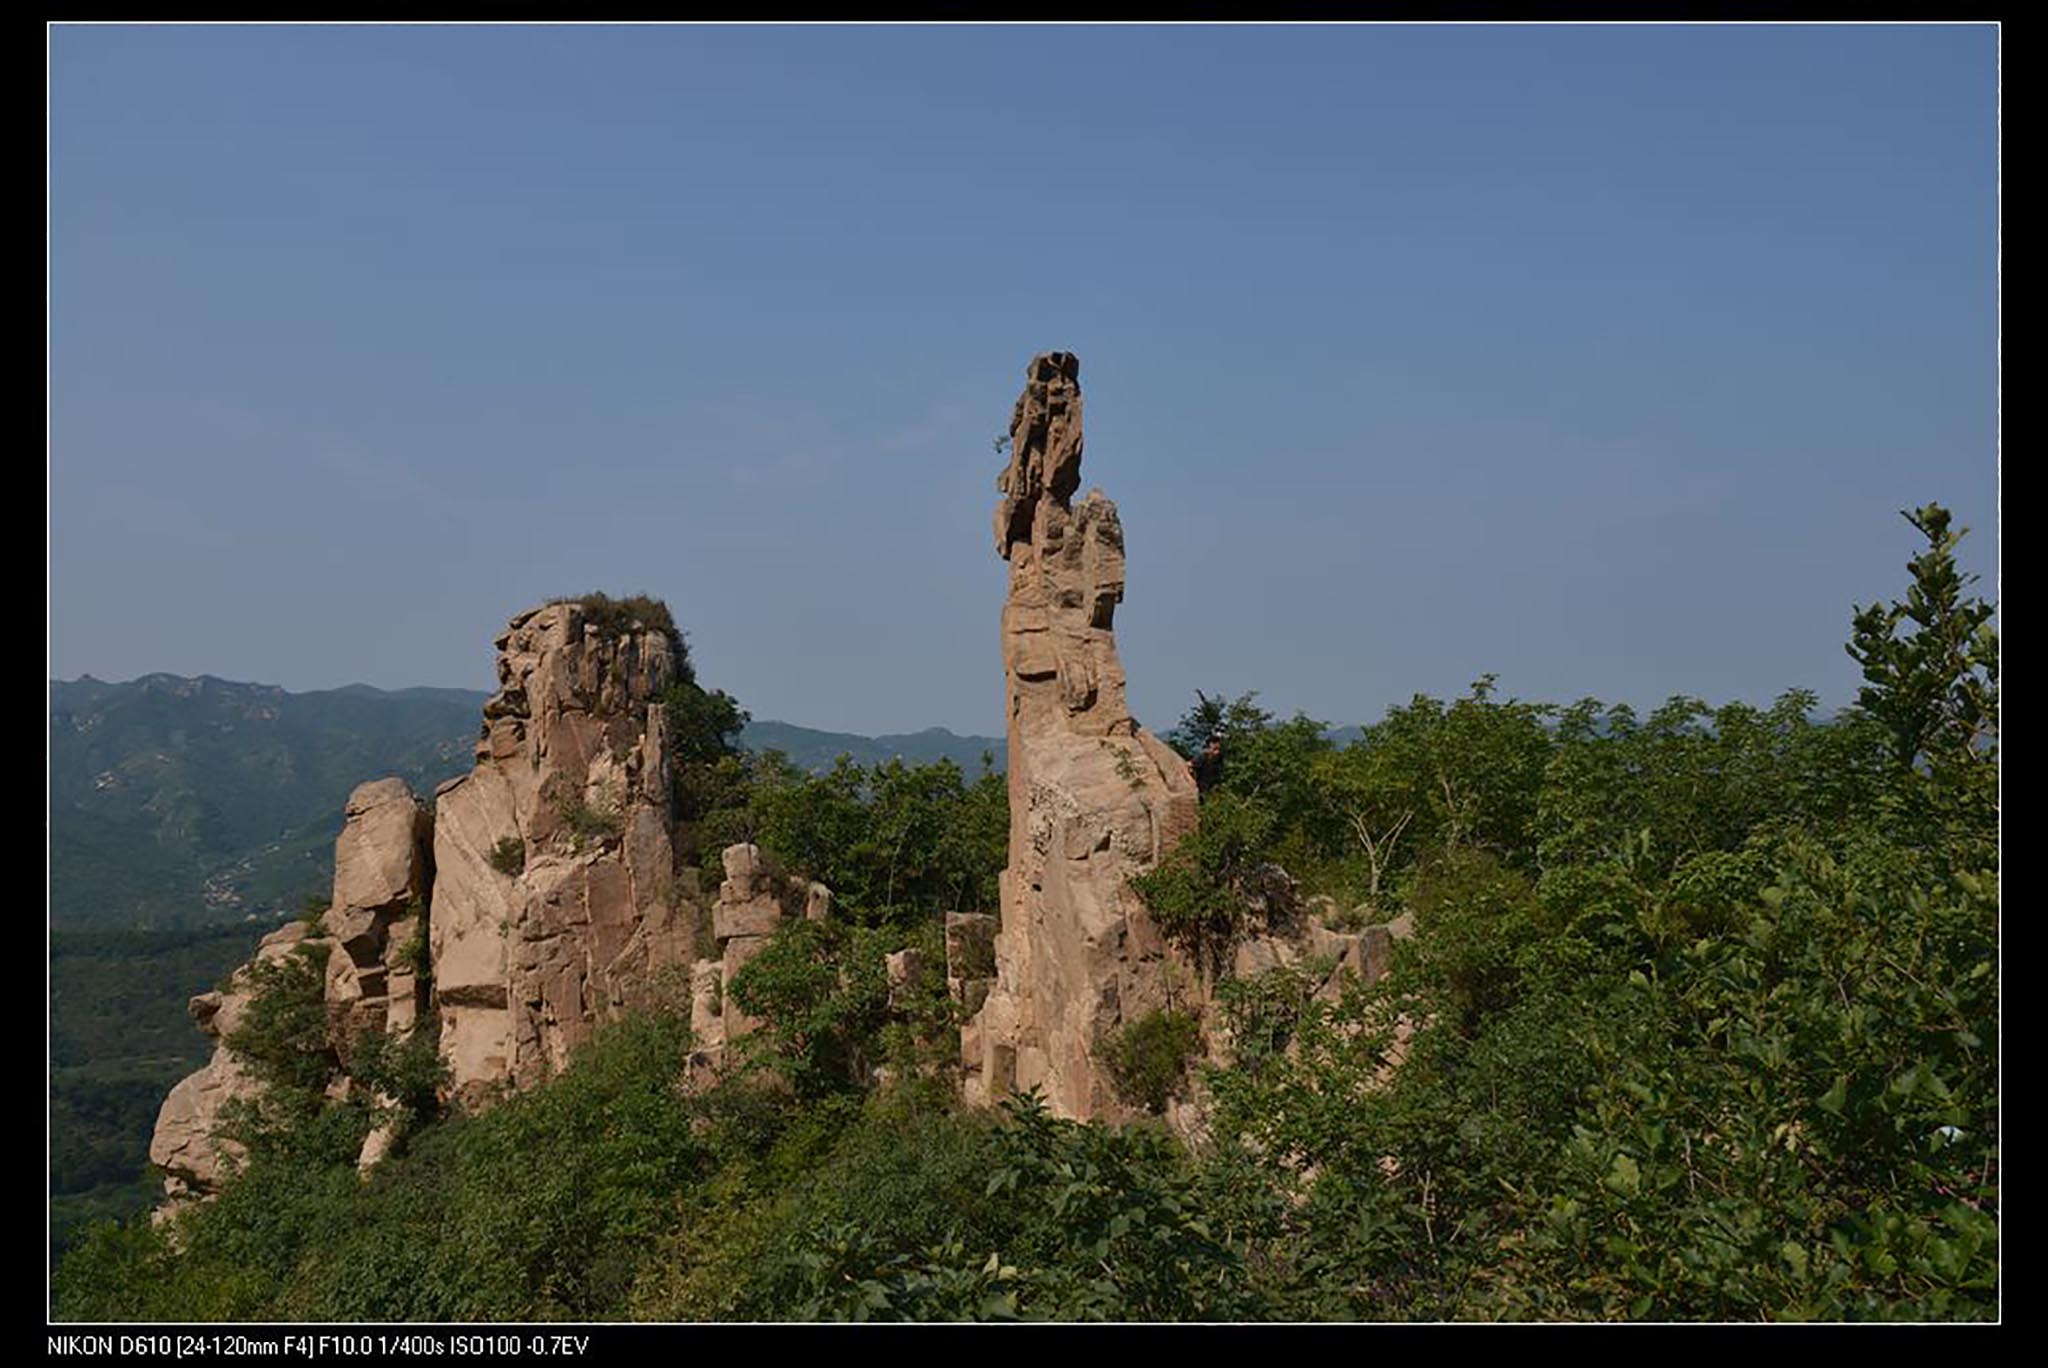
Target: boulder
(903,969)
(377,916)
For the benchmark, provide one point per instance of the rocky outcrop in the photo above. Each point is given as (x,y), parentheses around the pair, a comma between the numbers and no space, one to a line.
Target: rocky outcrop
(555,897)
(1094,797)
(754,900)
(377,916)
(751,906)
(536,897)
(186,1144)
(970,958)
(1284,932)
(373,935)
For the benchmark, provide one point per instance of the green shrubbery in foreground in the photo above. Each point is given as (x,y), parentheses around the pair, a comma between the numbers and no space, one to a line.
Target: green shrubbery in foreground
(1699,1022)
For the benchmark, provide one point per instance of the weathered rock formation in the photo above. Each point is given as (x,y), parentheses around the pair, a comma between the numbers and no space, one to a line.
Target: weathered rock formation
(539,893)
(373,938)
(970,963)
(1094,797)
(753,902)
(555,895)
(537,896)
(1289,933)
(383,871)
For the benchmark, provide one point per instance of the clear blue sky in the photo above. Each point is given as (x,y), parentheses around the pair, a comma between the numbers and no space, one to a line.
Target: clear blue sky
(1598,358)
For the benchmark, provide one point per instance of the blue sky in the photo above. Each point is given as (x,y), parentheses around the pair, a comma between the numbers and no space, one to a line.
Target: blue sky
(1597,358)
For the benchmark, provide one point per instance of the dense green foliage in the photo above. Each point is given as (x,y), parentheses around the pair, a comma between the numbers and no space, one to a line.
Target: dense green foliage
(527,1211)
(1148,1058)
(610,1193)
(1698,1020)
(896,843)
(822,994)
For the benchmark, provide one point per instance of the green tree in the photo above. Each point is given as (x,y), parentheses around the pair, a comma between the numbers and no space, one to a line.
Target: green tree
(898,844)
(822,994)
(1935,687)
(1931,669)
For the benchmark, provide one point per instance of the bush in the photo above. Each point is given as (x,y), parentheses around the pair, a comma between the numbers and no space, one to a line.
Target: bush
(822,993)
(408,1070)
(283,1032)
(1199,894)
(541,1208)
(1148,1058)
(608,616)
(416,953)
(587,824)
(703,725)
(896,843)
(508,856)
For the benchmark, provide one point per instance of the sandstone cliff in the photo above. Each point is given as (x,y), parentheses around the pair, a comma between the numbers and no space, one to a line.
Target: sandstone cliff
(1094,797)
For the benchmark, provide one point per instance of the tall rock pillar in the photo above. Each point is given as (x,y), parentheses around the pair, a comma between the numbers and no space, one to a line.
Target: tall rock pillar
(1094,797)
(555,902)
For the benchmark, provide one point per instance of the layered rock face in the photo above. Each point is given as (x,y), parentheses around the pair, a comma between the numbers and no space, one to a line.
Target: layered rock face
(555,895)
(377,917)
(1094,797)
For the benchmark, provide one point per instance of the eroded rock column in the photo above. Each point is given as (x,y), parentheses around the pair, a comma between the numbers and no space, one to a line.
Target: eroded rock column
(1094,797)
(377,916)
(555,898)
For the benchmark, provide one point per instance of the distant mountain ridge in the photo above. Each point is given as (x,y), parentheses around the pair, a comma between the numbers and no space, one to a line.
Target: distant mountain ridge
(815,750)
(181,801)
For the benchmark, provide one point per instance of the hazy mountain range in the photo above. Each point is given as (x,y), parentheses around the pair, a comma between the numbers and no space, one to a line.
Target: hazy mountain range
(183,802)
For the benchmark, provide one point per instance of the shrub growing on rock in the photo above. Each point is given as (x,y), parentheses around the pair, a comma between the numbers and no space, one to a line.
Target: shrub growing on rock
(508,856)
(1148,1058)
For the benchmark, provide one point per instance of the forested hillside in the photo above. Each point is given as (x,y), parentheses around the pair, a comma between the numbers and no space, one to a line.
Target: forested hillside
(1699,1020)
(178,802)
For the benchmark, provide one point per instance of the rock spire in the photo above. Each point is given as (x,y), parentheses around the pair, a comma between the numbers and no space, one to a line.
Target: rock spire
(1094,797)
(555,892)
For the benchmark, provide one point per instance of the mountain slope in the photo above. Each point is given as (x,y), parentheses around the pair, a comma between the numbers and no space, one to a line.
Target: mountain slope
(179,802)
